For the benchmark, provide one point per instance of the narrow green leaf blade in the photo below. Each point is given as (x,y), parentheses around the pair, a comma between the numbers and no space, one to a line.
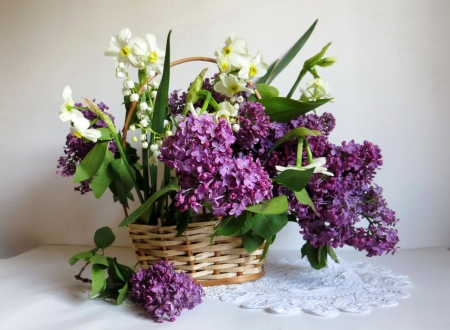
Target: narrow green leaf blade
(99,260)
(264,78)
(276,205)
(104,237)
(303,197)
(79,256)
(91,162)
(292,52)
(295,180)
(98,280)
(332,254)
(268,225)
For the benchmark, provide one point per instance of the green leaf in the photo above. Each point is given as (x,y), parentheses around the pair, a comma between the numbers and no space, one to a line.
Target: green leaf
(122,180)
(252,241)
(106,134)
(276,205)
(99,260)
(231,226)
(264,78)
(172,186)
(323,254)
(103,177)
(293,134)
(283,109)
(303,197)
(107,293)
(114,273)
(332,254)
(248,224)
(126,271)
(159,109)
(182,222)
(94,250)
(122,294)
(295,180)
(104,237)
(269,242)
(268,225)
(314,257)
(195,87)
(79,256)
(267,91)
(91,162)
(98,280)
(292,53)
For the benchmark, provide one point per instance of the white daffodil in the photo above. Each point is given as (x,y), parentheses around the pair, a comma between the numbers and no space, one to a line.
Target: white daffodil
(255,68)
(230,85)
(317,164)
(316,89)
(65,111)
(235,53)
(223,62)
(228,107)
(121,48)
(195,112)
(150,53)
(80,128)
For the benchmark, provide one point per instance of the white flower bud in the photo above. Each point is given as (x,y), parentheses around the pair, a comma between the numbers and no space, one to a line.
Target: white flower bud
(240,99)
(132,128)
(134,139)
(159,143)
(119,74)
(145,89)
(236,106)
(144,145)
(152,161)
(143,137)
(143,106)
(154,147)
(236,127)
(134,97)
(143,123)
(151,73)
(153,94)
(142,65)
(232,100)
(156,154)
(121,65)
(126,91)
(150,110)
(168,133)
(166,122)
(155,83)
(128,83)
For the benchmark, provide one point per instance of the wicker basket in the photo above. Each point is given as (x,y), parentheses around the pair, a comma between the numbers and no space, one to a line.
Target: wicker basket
(225,261)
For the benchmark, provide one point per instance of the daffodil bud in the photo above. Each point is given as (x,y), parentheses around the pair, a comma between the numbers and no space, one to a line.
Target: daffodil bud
(240,99)
(236,127)
(143,123)
(143,137)
(121,65)
(132,128)
(126,91)
(134,139)
(143,106)
(327,61)
(144,145)
(154,147)
(151,73)
(134,97)
(119,74)
(128,83)
(153,94)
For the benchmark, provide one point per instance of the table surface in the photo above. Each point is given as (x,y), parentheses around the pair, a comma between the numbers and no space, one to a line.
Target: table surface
(39,292)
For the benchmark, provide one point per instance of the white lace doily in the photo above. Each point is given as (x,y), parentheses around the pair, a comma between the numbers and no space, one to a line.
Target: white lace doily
(291,286)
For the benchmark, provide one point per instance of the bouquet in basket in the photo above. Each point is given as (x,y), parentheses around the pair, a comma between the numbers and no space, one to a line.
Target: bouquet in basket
(229,148)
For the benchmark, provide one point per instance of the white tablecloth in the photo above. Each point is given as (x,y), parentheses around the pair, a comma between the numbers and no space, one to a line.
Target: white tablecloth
(38,291)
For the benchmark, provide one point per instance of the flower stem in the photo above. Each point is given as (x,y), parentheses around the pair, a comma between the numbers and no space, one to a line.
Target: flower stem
(294,87)
(206,103)
(299,152)
(308,151)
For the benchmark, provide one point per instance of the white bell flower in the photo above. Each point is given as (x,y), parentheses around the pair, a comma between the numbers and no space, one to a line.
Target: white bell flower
(156,154)
(128,83)
(155,83)
(145,145)
(143,123)
(153,94)
(121,48)
(134,97)
(154,147)
(150,53)
(65,111)
(119,74)
(317,164)
(143,137)
(230,85)
(126,91)
(255,68)
(143,106)
(132,128)
(80,128)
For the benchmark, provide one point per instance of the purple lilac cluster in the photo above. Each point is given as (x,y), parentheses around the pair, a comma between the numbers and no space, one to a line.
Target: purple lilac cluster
(208,171)
(76,149)
(254,125)
(162,292)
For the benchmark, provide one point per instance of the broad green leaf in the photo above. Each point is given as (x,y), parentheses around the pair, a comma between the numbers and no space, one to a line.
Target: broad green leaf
(323,254)
(79,256)
(269,242)
(230,226)
(247,225)
(98,280)
(125,271)
(303,197)
(312,253)
(264,78)
(114,273)
(104,237)
(99,260)
(122,294)
(292,53)
(182,222)
(91,162)
(283,109)
(276,205)
(293,134)
(94,250)
(103,178)
(267,91)
(122,180)
(106,134)
(172,186)
(268,225)
(332,254)
(252,241)
(159,109)
(108,293)
(295,180)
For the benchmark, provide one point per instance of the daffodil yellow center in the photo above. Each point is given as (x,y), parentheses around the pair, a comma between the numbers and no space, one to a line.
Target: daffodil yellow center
(78,135)
(125,51)
(226,50)
(152,57)
(224,65)
(234,88)
(253,70)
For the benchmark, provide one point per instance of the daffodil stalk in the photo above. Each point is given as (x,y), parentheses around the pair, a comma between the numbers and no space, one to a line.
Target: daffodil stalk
(308,151)
(300,151)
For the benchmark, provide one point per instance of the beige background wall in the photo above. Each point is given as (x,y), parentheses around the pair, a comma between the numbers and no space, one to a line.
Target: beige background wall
(391,87)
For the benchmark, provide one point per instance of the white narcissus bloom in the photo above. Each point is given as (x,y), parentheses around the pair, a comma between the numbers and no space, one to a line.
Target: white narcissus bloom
(195,112)
(255,68)
(235,53)
(230,85)
(223,62)
(316,89)
(229,107)
(121,48)
(65,111)
(317,164)
(150,53)
(80,128)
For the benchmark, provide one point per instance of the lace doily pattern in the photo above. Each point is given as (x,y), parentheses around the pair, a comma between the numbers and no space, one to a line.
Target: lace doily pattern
(291,286)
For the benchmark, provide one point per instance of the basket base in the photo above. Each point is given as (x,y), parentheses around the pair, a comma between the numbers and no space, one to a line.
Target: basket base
(232,280)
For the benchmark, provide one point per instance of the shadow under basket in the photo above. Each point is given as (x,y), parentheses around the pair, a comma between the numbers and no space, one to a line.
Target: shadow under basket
(224,262)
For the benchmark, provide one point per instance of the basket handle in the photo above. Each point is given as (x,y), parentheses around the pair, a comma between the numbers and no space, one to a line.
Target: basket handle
(174,63)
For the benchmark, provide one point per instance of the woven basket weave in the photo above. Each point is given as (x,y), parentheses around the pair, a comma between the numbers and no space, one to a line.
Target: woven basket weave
(225,261)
